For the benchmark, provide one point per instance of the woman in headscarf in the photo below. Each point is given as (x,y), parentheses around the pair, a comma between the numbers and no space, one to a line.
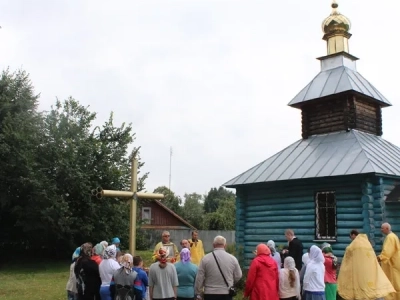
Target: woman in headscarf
(289,280)
(87,275)
(274,254)
(187,272)
(163,279)
(97,254)
(107,268)
(305,259)
(72,292)
(263,277)
(313,284)
(122,282)
(330,272)
(361,276)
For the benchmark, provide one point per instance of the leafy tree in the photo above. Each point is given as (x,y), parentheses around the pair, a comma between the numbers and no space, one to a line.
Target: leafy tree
(170,200)
(20,143)
(84,158)
(193,209)
(224,218)
(214,197)
(49,163)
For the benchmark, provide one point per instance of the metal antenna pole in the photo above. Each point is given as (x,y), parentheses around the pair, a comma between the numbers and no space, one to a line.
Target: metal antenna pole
(170,167)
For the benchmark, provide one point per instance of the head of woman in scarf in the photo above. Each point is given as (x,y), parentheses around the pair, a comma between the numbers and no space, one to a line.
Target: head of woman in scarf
(163,253)
(316,255)
(86,249)
(105,245)
(262,249)
(185,255)
(76,254)
(271,246)
(326,248)
(110,252)
(289,263)
(98,249)
(127,263)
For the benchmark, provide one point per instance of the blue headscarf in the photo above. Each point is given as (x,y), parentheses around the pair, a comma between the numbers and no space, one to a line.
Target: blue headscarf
(76,254)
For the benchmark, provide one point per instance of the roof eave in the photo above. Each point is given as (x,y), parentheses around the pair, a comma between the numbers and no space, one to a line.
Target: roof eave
(299,105)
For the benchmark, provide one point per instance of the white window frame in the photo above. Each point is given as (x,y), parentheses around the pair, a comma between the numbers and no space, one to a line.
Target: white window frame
(147,220)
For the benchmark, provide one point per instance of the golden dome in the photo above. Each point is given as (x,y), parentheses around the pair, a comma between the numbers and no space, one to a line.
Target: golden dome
(336,21)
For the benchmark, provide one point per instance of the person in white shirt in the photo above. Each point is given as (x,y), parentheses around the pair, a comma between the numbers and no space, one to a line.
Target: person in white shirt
(107,268)
(289,280)
(314,284)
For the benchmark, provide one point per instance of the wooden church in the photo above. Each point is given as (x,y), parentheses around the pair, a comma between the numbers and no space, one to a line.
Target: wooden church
(341,175)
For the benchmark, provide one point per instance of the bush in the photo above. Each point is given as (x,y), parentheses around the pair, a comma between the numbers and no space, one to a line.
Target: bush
(238,252)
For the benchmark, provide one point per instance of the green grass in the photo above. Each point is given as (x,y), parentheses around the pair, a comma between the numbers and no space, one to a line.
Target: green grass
(43,280)
(40,280)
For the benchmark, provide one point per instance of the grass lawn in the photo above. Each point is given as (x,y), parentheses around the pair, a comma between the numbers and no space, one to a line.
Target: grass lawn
(36,281)
(47,280)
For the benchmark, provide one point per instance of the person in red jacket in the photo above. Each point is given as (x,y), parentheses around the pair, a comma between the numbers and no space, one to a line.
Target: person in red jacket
(330,272)
(263,278)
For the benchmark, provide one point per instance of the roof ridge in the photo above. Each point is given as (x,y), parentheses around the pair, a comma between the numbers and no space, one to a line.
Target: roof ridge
(366,148)
(369,162)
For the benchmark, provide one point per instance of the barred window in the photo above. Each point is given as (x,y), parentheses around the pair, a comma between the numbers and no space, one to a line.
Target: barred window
(325,216)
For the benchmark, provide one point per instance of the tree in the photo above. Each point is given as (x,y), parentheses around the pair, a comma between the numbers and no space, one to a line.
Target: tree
(224,218)
(193,209)
(170,200)
(20,142)
(214,197)
(82,158)
(49,163)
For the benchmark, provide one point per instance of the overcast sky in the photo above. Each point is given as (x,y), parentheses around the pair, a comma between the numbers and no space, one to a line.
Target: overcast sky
(209,78)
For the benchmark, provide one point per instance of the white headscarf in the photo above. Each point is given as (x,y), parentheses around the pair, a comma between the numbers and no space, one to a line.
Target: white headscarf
(289,263)
(110,252)
(127,261)
(316,255)
(271,246)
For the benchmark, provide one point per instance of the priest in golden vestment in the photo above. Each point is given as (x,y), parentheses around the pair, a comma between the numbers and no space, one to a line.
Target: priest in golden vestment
(196,248)
(360,275)
(390,259)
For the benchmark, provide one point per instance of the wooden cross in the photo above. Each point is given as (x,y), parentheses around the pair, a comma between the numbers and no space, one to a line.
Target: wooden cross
(133,196)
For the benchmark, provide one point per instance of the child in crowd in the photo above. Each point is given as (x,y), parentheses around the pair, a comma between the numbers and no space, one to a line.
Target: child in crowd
(141,281)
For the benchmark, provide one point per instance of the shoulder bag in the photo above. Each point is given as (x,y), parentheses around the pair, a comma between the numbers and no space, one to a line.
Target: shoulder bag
(232,289)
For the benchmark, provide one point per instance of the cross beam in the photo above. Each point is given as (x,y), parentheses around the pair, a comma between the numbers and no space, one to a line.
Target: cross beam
(133,195)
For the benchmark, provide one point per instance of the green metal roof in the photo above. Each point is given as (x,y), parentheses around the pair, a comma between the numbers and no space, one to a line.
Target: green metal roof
(333,154)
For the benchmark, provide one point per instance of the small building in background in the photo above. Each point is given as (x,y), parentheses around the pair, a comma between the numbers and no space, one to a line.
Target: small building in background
(155,215)
(341,175)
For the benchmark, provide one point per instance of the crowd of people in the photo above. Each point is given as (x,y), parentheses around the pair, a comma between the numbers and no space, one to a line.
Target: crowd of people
(100,272)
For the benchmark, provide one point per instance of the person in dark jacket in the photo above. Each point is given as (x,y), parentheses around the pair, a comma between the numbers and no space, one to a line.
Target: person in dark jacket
(87,275)
(295,248)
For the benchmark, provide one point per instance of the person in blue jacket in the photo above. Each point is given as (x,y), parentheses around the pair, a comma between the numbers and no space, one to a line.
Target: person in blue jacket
(141,281)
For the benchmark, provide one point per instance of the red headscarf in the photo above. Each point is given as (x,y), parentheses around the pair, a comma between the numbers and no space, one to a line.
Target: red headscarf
(263,249)
(162,257)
